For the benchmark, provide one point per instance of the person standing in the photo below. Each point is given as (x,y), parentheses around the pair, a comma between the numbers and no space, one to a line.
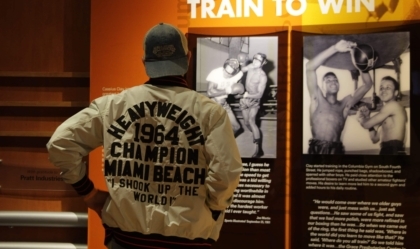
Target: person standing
(255,83)
(171,162)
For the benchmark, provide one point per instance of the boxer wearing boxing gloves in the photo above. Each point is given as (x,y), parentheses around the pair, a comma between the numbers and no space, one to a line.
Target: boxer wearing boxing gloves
(223,81)
(255,83)
(327,113)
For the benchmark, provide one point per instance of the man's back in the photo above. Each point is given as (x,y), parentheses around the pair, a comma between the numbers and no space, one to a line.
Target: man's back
(171,162)
(163,161)
(166,151)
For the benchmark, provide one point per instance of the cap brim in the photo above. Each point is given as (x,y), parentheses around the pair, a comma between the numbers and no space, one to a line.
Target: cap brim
(156,69)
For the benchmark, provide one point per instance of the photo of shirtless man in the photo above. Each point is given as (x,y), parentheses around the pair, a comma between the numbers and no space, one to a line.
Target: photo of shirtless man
(255,83)
(389,124)
(328,114)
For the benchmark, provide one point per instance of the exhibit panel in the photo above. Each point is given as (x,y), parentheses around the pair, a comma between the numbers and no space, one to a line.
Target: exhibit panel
(355,184)
(256,212)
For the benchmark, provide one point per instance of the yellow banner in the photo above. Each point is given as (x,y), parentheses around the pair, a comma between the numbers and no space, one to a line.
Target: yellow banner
(270,13)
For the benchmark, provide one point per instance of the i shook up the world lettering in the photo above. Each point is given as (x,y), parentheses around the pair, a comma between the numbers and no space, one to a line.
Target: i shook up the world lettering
(147,157)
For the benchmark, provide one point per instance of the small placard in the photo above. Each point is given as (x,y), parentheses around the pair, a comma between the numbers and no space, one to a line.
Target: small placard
(33,179)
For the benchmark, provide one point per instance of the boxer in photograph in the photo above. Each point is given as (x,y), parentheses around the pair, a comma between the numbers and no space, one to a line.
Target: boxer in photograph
(255,83)
(223,81)
(328,114)
(392,118)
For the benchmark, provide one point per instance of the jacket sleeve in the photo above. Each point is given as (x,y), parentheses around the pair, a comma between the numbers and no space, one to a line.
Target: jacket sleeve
(224,160)
(74,139)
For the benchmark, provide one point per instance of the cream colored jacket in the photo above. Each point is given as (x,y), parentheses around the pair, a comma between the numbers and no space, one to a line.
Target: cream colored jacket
(170,157)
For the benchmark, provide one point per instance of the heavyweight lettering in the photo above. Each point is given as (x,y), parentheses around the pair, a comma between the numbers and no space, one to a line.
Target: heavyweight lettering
(133,115)
(116,132)
(163,109)
(140,109)
(173,111)
(151,107)
(124,124)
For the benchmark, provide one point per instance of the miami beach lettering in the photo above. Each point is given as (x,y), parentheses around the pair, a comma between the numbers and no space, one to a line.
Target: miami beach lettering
(145,162)
(187,175)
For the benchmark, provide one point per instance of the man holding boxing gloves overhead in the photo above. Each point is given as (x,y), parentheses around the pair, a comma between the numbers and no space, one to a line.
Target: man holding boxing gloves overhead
(327,113)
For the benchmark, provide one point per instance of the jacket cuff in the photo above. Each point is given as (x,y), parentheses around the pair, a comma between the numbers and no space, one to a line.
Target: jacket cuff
(84,186)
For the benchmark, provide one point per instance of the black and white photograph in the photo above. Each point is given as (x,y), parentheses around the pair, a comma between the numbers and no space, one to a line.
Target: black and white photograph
(240,73)
(356,94)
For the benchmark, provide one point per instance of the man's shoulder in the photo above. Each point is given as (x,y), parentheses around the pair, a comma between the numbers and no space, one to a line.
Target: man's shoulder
(346,100)
(261,71)
(394,107)
(258,70)
(204,101)
(215,75)
(216,70)
(394,104)
(121,96)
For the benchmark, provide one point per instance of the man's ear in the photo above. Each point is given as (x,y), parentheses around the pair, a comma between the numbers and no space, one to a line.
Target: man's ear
(396,93)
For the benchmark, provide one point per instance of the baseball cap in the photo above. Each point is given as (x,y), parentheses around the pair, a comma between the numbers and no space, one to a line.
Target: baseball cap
(166,50)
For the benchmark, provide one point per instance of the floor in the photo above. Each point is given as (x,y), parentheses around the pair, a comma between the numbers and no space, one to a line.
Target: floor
(268,129)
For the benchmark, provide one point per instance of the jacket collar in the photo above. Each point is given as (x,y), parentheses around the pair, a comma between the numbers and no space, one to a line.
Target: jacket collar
(169,81)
